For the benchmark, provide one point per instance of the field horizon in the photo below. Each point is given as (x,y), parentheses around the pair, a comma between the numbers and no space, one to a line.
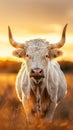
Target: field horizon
(13,66)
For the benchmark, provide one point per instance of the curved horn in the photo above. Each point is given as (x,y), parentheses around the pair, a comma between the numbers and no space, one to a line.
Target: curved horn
(12,42)
(61,43)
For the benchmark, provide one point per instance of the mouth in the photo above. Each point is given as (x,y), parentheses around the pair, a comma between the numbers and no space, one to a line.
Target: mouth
(37,79)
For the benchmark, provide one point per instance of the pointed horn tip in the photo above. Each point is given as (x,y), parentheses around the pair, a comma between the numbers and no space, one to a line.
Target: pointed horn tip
(64,30)
(8,28)
(9,32)
(66,25)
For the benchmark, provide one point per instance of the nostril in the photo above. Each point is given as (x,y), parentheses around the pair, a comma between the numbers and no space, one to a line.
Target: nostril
(32,71)
(36,71)
(40,71)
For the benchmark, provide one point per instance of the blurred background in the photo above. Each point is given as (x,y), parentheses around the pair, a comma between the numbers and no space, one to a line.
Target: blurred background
(31,19)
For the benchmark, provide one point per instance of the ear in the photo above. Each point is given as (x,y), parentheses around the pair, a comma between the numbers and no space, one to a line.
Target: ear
(19,52)
(55,53)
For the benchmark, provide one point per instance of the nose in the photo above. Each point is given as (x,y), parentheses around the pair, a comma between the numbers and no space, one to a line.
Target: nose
(37,72)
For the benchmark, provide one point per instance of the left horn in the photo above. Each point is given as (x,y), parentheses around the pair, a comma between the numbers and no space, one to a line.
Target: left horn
(61,43)
(12,42)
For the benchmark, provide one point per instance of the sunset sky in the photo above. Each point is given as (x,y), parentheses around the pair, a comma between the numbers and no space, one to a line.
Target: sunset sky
(36,18)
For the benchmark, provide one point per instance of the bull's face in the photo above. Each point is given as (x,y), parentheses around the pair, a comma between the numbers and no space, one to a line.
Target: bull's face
(37,54)
(36,60)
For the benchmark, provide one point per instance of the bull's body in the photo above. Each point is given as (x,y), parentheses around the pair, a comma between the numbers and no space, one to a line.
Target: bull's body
(54,90)
(40,83)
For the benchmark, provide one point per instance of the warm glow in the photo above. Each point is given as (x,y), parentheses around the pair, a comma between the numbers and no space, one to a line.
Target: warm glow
(36,19)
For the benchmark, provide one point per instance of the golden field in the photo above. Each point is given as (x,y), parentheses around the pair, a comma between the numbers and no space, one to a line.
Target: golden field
(12,115)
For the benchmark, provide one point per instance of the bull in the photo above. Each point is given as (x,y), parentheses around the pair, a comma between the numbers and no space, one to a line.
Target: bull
(40,84)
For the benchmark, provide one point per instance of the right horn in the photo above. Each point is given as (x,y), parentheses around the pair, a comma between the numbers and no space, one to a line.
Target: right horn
(61,43)
(12,42)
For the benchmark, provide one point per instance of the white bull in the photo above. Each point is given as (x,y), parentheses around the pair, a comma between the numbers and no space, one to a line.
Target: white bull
(40,84)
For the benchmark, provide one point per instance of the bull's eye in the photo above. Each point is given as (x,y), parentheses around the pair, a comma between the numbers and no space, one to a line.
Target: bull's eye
(47,56)
(27,55)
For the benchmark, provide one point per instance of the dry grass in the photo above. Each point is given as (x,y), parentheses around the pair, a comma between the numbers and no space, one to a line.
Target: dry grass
(12,115)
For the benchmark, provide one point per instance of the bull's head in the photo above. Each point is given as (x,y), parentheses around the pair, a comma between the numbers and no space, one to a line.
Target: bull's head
(37,54)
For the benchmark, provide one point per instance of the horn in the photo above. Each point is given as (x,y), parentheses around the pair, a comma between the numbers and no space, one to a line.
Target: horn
(62,41)
(12,42)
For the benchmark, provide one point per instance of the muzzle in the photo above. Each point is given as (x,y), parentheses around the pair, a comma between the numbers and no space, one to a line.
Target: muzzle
(37,75)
